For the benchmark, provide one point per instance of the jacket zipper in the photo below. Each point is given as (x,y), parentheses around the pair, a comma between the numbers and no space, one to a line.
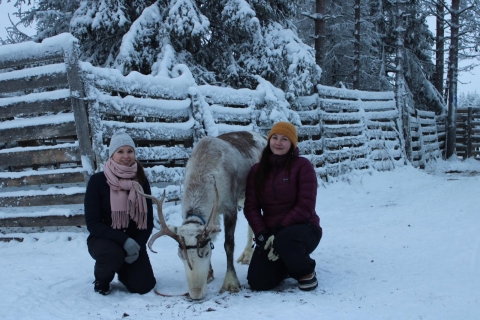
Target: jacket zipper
(274,176)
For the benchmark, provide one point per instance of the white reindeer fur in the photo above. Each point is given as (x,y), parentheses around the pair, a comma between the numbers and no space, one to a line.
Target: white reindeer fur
(228,158)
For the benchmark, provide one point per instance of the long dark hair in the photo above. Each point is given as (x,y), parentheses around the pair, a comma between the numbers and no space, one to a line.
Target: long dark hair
(264,167)
(141,177)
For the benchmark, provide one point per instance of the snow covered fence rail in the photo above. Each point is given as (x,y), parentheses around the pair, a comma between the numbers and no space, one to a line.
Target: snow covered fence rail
(350,129)
(227,109)
(468,133)
(167,114)
(340,130)
(155,111)
(423,131)
(346,129)
(441,121)
(44,143)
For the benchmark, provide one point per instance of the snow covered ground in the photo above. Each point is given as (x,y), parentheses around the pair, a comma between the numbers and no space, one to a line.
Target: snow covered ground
(396,245)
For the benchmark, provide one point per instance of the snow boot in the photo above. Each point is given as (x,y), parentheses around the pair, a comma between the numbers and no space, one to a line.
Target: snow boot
(102,288)
(308,283)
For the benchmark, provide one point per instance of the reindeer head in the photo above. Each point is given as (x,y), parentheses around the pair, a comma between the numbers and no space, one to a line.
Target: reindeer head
(197,256)
(194,244)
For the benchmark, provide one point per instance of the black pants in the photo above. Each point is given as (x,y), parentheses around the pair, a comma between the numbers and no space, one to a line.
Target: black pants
(294,244)
(109,258)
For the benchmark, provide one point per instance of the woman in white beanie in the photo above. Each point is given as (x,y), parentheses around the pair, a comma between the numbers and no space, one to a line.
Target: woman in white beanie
(119,220)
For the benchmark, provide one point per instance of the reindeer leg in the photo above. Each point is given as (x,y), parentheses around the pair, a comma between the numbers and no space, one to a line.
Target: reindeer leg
(247,253)
(231,282)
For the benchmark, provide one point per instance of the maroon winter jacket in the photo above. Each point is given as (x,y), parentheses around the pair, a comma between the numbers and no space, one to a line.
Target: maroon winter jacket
(286,199)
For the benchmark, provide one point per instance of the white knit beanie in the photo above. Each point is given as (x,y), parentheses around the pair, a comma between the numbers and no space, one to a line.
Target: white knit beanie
(120,139)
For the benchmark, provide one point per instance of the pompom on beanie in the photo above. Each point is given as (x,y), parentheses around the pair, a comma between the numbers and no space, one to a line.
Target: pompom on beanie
(287,129)
(119,139)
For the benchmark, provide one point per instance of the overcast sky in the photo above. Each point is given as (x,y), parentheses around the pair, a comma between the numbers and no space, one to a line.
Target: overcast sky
(468,82)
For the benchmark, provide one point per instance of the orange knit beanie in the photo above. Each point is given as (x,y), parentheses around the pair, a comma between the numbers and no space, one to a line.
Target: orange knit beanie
(287,129)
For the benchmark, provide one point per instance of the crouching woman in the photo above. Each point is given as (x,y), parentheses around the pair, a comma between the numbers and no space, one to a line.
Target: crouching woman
(280,202)
(119,220)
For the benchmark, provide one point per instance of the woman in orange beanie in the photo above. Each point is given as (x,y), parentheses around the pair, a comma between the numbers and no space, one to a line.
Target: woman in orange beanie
(280,207)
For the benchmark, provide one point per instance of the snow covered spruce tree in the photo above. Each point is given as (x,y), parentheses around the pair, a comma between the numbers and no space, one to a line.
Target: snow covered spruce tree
(418,67)
(223,42)
(341,46)
(373,48)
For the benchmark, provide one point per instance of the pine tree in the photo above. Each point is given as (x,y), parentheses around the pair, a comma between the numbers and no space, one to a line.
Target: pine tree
(223,42)
(336,42)
(459,22)
(419,69)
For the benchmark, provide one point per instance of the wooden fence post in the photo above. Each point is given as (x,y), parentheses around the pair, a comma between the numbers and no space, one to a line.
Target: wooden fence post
(77,95)
(408,112)
(468,134)
(199,129)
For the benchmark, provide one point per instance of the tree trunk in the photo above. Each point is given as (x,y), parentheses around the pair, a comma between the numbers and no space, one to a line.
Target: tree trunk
(356,48)
(440,50)
(400,89)
(320,32)
(452,80)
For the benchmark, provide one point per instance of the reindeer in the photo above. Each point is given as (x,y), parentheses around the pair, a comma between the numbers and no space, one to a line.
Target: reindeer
(215,180)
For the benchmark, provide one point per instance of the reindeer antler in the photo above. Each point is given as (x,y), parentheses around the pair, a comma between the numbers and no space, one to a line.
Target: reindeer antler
(213,215)
(165,229)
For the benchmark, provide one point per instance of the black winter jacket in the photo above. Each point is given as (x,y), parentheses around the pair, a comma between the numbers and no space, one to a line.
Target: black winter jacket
(98,214)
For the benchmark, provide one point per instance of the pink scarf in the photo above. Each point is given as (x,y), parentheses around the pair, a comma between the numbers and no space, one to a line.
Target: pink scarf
(125,205)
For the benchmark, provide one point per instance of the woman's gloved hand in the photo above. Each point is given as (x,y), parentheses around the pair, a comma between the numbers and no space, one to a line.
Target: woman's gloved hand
(272,254)
(133,250)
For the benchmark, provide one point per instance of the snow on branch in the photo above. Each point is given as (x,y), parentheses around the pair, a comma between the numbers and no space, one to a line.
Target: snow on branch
(144,29)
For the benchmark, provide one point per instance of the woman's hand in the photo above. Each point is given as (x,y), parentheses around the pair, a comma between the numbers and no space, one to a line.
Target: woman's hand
(272,254)
(133,250)
(261,241)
